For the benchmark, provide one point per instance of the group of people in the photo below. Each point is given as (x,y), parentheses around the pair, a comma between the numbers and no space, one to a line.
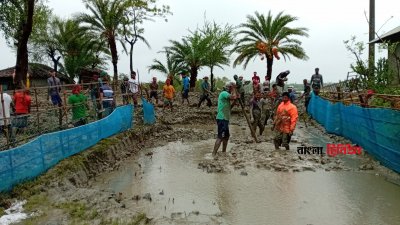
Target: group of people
(265,104)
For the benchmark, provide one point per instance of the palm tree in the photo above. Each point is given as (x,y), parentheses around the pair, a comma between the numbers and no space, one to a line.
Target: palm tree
(191,52)
(106,20)
(267,36)
(79,48)
(171,69)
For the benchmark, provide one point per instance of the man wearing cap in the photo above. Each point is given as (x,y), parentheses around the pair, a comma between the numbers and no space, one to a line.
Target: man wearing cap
(134,87)
(106,97)
(223,116)
(316,81)
(78,102)
(154,89)
(185,88)
(205,87)
(284,122)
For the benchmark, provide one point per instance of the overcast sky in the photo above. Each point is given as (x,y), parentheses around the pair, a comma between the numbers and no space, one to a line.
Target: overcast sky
(329,23)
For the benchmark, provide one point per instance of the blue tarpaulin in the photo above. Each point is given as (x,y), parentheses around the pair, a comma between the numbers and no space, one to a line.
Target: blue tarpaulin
(148,112)
(376,130)
(37,156)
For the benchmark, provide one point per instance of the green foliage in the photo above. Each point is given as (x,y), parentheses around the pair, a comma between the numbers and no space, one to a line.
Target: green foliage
(381,77)
(218,52)
(12,13)
(170,69)
(105,21)
(275,32)
(137,12)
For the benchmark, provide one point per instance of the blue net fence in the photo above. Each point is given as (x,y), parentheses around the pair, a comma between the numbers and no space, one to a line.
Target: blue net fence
(37,156)
(376,130)
(148,112)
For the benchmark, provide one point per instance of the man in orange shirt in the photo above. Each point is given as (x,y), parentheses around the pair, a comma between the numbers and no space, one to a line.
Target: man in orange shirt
(284,122)
(169,94)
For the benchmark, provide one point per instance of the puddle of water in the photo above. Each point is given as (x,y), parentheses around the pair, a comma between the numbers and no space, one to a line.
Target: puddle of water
(262,197)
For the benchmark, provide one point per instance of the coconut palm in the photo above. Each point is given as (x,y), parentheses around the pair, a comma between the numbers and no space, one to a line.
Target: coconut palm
(171,69)
(191,52)
(267,37)
(106,19)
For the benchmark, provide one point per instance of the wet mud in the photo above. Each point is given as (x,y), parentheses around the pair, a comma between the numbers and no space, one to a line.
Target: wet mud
(166,174)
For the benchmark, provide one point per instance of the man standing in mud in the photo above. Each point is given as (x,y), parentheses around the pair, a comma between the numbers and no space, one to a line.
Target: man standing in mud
(316,81)
(223,116)
(257,112)
(284,122)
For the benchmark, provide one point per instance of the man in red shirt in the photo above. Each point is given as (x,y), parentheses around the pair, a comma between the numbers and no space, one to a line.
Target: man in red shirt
(255,77)
(22,101)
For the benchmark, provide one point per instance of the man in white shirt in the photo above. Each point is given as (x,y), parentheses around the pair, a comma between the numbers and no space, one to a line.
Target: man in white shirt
(134,87)
(5,122)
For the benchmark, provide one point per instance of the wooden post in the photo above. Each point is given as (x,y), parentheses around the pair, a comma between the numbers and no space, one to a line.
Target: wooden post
(37,108)
(65,107)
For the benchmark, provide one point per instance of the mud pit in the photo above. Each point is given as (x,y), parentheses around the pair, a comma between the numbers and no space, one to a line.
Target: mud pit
(173,179)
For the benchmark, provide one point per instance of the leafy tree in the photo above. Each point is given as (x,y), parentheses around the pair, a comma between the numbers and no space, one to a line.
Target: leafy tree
(191,51)
(171,69)
(379,78)
(217,52)
(137,12)
(266,36)
(17,19)
(106,20)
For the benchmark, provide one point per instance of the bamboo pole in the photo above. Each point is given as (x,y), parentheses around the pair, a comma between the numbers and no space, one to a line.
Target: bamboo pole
(253,133)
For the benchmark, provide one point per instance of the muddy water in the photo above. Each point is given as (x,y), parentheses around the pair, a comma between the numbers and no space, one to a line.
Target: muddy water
(183,194)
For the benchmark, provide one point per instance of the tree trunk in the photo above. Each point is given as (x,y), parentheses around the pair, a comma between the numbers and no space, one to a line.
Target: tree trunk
(25,27)
(193,76)
(55,62)
(114,57)
(130,57)
(270,61)
(212,79)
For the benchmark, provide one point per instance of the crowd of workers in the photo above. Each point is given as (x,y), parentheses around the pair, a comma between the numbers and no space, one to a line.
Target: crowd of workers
(267,102)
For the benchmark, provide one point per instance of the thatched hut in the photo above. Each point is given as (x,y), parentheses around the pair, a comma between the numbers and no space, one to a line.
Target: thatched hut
(38,74)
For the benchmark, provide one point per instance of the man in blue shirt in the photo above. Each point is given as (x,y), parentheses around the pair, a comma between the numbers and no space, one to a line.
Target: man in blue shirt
(292,95)
(185,89)
(205,87)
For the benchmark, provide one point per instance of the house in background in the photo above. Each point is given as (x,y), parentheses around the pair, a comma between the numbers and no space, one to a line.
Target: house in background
(38,74)
(392,37)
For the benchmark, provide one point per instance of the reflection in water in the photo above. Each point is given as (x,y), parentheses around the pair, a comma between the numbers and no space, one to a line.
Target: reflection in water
(262,197)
